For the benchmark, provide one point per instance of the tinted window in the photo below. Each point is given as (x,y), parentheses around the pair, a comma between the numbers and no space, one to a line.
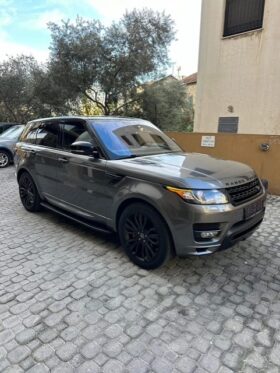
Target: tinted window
(29,135)
(13,133)
(72,132)
(124,139)
(48,134)
(4,127)
(243,15)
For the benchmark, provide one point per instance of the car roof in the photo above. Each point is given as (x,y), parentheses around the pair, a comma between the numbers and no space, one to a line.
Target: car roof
(9,123)
(17,125)
(97,117)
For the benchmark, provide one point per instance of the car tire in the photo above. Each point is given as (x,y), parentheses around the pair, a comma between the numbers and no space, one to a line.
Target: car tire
(5,158)
(28,193)
(144,236)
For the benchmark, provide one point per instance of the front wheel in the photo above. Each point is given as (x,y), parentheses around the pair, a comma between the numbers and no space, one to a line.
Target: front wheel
(28,193)
(144,236)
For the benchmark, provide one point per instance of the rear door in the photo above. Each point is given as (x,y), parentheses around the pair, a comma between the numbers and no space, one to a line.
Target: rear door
(25,150)
(82,179)
(46,158)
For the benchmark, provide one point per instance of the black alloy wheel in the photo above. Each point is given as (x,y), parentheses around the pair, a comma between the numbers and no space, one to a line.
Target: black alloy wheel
(28,193)
(144,236)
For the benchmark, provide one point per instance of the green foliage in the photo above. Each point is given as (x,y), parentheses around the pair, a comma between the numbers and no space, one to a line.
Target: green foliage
(54,98)
(18,99)
(165,104)
(27,92)
(106,64)
(92,68)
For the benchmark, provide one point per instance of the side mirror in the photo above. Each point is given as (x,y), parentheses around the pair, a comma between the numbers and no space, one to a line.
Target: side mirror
(84,148)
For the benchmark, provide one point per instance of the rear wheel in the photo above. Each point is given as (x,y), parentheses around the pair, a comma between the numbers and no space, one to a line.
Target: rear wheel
(144,236)
(5,158)
(28,193)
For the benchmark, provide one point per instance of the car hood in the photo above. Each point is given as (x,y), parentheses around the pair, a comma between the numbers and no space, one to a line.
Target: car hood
(7,142)
(187,170)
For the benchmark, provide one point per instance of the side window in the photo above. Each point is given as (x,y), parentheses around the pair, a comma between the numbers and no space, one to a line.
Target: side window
(48,134)
(72,132)
(29,135)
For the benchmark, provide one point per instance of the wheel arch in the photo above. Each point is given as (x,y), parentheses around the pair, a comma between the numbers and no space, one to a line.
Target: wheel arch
(21,171)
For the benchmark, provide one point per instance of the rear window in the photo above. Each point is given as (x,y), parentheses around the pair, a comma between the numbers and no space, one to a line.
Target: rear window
(29,134)
(48,134)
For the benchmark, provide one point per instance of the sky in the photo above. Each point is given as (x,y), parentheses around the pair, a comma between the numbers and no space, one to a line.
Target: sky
(23,25)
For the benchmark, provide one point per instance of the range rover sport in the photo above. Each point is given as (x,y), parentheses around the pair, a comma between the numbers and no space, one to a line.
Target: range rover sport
(125,175)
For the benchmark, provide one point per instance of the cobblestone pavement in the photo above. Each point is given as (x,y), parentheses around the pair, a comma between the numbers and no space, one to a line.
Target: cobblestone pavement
(70,301)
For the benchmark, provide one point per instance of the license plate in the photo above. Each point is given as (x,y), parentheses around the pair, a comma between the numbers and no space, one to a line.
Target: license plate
(253,209)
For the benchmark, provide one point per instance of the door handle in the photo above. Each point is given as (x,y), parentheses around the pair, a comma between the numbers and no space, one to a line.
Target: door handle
(63,160)
(28,150)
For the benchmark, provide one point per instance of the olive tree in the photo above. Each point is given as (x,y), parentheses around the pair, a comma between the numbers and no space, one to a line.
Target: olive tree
(19,101)
(166,104)
(106,64)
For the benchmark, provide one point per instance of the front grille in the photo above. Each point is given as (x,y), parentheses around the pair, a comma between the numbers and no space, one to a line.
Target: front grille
(243,193)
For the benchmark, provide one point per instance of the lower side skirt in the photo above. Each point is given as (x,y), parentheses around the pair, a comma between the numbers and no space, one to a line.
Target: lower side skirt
(77,219)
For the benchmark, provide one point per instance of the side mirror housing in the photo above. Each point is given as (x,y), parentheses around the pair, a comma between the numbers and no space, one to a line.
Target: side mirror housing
(84,148)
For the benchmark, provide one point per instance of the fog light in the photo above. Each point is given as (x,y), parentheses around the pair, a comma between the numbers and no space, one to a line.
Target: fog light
(209,234)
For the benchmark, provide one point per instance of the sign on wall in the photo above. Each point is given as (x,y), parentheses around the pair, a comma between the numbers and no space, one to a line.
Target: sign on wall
(208,141)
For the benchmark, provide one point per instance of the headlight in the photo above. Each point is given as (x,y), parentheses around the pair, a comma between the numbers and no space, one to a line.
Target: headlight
(202,197)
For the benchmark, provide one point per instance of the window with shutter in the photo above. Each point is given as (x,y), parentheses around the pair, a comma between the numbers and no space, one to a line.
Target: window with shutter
(228,124)
(243,15)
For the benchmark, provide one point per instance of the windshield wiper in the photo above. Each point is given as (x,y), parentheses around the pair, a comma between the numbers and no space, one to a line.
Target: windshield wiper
(131,156)
(162,146)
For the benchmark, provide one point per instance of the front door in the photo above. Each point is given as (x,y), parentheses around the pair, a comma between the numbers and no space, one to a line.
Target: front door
(82,179)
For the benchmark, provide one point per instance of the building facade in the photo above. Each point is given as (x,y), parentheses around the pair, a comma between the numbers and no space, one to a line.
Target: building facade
(239,67)
(191,83)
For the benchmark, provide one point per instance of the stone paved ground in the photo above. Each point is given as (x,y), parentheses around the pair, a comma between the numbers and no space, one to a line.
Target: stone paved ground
(70,301)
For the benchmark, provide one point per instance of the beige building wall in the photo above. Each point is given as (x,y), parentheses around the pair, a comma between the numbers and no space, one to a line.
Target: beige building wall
(191,92)
(239,75)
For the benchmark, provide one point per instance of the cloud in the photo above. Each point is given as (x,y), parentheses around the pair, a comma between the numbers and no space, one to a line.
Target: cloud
(7,12)
(9,48)
(35,22)
(42,20)
(185,13)
(63,3)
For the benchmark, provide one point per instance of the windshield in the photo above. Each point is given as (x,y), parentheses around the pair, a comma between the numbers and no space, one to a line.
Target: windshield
(12,133)
(132,138)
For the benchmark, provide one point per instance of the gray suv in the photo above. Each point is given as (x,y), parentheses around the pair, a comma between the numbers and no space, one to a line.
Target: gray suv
(125,175)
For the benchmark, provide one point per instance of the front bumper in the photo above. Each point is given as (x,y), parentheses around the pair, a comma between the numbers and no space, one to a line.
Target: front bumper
(233,226)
